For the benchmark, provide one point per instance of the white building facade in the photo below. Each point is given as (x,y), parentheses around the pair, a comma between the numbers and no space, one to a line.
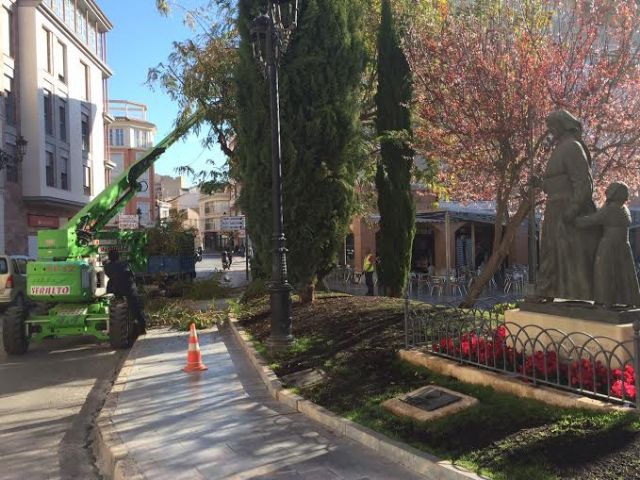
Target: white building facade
(58,77)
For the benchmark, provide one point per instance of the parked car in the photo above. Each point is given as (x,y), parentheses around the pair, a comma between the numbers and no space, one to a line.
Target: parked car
(13,280)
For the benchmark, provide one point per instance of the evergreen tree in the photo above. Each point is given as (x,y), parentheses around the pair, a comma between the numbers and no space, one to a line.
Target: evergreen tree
(321,135)
(320,78)
(393,175)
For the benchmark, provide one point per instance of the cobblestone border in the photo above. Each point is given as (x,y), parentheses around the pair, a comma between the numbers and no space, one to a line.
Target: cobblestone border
(112,456)
(411,458)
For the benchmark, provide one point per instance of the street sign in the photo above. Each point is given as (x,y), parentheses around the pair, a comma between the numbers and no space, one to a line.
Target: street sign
(128,222)
(232,223)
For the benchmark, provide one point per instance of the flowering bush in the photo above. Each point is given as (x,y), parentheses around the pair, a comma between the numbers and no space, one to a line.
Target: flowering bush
(584,374)
(491,349)
(624,382)
(488,350)
(543,365)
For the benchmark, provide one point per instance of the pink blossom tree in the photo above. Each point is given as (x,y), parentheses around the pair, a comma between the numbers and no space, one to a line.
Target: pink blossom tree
(486,79)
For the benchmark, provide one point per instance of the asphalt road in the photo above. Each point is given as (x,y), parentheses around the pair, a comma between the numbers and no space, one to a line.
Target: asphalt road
(212,262)
(48,399)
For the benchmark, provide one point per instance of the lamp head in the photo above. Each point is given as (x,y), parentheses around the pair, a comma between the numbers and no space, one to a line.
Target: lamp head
(285,13)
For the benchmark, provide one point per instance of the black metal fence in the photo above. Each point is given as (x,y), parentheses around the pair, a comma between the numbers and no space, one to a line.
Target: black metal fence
(595,366)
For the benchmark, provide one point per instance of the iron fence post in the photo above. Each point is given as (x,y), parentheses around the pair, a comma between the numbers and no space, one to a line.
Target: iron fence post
(636,359)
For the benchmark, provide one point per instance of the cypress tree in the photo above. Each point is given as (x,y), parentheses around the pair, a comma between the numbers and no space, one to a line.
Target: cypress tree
(320,79)
(393,173)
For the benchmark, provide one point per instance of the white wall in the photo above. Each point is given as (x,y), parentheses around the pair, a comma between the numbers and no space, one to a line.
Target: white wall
(33,79)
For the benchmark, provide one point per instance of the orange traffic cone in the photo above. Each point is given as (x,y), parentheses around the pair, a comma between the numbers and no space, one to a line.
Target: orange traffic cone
(194,357)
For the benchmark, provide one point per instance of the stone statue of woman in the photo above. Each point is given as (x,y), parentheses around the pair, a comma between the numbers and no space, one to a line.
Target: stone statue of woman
(567,252)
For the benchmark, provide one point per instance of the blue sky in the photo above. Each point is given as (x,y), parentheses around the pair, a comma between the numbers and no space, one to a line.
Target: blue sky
(141,38)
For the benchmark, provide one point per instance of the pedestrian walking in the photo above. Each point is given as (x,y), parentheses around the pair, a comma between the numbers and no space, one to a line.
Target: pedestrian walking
(230,256)
(369,267)
(225,260)
(122,284)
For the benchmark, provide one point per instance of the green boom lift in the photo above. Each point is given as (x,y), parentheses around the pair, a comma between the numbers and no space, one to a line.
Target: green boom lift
(68,280)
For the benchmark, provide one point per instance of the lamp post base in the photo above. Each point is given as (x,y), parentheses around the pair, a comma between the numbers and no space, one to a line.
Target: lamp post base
(281,337)
(277,344)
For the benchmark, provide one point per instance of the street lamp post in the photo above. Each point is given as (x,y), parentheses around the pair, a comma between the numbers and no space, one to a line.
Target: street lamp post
(270,35)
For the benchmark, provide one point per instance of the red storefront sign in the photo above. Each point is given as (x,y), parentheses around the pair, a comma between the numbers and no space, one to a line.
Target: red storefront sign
(43,221)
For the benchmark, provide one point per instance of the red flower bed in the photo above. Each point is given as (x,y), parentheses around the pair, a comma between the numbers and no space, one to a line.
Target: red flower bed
(491,350)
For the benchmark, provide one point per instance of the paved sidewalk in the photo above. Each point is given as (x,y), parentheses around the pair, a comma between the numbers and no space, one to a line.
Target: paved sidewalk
(223,424)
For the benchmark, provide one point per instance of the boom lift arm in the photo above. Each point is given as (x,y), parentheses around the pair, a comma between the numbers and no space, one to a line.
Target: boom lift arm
(75,240)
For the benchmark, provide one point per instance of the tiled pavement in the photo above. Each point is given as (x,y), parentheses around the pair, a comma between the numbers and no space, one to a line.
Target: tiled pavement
(223,424)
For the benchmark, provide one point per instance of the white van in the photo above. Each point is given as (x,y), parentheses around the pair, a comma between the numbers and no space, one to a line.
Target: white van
(13,280)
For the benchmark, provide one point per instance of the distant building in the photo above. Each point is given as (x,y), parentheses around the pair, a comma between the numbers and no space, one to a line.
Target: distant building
(130,135)
(164,209)
(53,77)
(212,209)
(167,188)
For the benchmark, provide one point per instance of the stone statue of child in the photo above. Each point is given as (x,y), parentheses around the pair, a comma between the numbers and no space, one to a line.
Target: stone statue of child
(615,281)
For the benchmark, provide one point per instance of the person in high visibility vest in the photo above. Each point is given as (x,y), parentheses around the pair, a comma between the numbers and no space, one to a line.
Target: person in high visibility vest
(368,267)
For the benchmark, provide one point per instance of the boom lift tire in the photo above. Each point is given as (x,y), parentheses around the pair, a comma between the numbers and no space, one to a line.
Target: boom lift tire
(14,333)
(121,326)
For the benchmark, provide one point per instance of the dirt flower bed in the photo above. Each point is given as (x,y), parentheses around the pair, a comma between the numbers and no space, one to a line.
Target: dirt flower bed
(354,339)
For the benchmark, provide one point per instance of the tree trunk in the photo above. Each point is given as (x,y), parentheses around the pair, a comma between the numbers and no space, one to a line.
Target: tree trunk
(498,254)
(308,293)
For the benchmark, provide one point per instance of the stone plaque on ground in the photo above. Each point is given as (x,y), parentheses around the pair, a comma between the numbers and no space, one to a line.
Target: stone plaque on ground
(428,403)
(304,378)
(432,398)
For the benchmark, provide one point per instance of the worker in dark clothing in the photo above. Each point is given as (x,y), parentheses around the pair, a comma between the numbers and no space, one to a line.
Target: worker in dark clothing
(122,284)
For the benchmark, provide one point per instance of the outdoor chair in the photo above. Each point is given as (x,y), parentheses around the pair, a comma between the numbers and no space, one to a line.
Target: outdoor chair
(437,285)
(457,286)
(508,282)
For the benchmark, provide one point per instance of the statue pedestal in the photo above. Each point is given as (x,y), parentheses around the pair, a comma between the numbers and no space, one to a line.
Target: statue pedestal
(571,338)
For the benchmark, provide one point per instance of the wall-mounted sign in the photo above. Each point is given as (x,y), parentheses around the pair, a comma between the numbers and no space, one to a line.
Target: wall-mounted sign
(232,223)
(128,222)
(43,221)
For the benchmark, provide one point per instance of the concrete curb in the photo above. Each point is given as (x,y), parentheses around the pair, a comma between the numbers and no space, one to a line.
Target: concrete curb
(111,453)
(409,457)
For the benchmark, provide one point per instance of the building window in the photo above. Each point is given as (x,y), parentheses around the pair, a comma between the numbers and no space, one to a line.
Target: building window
(119,137)
(50,170)
(141,138)
(58,7)
(86,179)
(100,49)
(46,38)
(12,167)
(64,175)
(9,101)
(62,113)
(7,32)
(86,140)
(61,61)
(48,112)
(84,69)
(70,14)
(82,25)
(92,37)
